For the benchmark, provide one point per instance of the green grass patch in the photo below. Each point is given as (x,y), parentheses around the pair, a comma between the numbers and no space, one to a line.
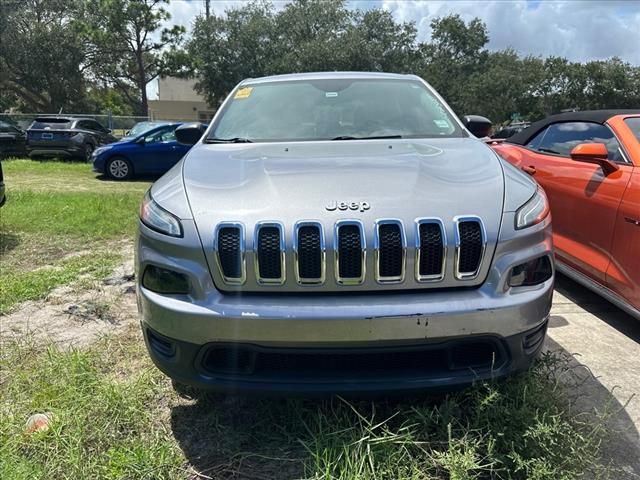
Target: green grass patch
(61,176)
(54,210)
(19,286)
(105,423)
(86,215)
(116,416)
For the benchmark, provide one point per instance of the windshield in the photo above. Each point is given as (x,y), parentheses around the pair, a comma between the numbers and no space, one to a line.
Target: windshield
(142,127)
(53,124)
(634,125)
(333,109)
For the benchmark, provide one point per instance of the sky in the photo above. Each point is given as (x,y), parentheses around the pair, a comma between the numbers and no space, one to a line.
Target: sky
(579,30)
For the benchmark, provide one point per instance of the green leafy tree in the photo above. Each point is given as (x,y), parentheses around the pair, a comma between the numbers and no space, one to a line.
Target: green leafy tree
(306,35)
(128,46)
(455,54)
(226,49)
(41,57)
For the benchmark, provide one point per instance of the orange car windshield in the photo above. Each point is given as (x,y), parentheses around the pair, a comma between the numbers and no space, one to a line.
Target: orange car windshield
(634,125)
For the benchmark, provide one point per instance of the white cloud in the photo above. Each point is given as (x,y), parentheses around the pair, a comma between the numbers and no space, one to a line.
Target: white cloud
(578,30)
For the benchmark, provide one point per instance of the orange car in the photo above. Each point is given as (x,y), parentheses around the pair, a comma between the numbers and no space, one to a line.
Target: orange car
(589,165)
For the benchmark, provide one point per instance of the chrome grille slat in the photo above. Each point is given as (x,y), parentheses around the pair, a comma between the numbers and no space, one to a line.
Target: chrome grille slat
(269,253)
(431,250)
(350,252)
(309,249)
(229,245)
(471,241)
(390,249)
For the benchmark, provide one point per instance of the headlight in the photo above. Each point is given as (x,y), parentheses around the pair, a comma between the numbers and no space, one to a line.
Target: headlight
(157,218)
(534,211)
(100,150)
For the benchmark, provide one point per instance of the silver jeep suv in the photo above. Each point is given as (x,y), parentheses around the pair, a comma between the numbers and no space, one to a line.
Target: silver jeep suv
(341,233)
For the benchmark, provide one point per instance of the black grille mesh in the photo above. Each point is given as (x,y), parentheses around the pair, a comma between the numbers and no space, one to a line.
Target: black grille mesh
(269,252)
(309,252)
(470,246)
(390,261)
(350,251)
(431,249)
(229,252)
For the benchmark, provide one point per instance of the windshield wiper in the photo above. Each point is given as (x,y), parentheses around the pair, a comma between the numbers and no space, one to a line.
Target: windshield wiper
(228,140)
(377,137)
(548,150)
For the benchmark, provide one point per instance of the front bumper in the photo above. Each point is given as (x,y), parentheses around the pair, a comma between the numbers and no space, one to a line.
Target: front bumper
(378,341)
(433,366)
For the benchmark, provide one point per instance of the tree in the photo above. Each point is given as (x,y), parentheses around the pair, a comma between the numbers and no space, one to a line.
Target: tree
(307,35)
(41,57)
(455,54)
(226,49)
(127,46)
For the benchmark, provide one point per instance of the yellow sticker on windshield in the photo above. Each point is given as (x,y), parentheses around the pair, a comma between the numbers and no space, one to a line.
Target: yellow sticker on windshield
(243,92)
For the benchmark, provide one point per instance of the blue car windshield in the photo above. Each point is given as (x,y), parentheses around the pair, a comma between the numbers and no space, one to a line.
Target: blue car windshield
(333,109)
(140,129)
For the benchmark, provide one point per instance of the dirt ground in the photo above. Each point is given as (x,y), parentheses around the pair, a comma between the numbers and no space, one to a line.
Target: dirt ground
(76,315)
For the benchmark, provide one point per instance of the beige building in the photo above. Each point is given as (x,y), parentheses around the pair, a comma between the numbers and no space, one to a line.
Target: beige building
(178,100)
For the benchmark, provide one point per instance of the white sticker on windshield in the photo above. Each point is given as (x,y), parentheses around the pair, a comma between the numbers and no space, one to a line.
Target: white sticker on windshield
(441,123)
(331,94)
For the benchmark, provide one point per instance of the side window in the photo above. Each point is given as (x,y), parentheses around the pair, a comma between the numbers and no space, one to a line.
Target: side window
(96,127)
(162,135)
(561,138)
(83,125)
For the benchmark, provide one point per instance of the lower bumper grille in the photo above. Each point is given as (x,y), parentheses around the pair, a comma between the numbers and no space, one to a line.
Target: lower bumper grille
(338,364)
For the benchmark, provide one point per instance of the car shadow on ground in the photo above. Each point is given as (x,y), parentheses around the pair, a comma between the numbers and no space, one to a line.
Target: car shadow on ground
(136,179)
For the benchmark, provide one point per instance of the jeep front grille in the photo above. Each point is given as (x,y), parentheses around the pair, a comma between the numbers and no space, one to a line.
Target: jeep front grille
(275,251)
(470,245)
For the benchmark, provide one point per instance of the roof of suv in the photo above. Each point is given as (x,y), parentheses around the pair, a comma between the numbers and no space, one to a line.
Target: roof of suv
(60,119)
(328,75)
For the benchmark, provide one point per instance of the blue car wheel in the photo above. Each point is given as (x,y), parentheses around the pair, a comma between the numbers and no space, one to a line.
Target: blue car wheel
(119,168)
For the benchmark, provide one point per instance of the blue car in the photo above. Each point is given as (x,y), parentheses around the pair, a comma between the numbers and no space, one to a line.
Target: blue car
(150,152)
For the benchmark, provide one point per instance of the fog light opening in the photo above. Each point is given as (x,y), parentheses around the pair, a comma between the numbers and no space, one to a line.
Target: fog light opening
(531,273)
(162,280)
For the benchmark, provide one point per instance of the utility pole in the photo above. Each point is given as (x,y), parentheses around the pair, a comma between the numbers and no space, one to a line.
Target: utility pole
(207,8)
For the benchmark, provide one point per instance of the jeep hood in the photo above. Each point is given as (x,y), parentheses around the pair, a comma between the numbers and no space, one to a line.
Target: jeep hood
(288,182)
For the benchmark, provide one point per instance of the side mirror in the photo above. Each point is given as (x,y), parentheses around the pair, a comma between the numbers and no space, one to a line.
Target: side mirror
(479,126)
(594,153)
(140,141)
(190,133)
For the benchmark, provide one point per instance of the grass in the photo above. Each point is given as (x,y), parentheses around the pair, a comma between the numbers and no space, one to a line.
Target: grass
(56,210)
(104,423)
(117,417)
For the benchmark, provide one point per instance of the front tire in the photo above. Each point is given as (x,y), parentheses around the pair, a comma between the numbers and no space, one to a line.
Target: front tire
(119,168)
